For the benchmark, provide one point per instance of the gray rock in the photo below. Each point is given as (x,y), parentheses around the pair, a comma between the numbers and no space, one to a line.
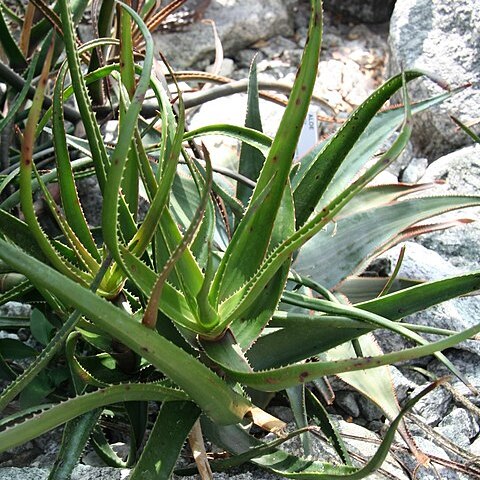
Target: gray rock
(81,472)
(348,403)
(468,363)
(15,309)
(91,200)
(414,171)
(255,474)
(368,11)
(14,473)
(427,473)
(420,262)
(434,406)
(403,386)
(459,426)
(461,172)
(236,29)
(369,410)
(441,37)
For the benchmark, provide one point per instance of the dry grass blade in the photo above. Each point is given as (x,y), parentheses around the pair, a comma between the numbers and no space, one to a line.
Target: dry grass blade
(195,439)
(27,28)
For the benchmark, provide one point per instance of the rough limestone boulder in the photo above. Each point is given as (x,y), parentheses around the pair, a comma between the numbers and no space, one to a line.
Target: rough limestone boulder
(443,37)
(368,11)
(239,23)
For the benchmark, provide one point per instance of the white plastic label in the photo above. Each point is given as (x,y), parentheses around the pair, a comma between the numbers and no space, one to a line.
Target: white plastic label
(308,135)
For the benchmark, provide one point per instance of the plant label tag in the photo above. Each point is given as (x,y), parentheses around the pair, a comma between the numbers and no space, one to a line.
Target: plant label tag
(308,135)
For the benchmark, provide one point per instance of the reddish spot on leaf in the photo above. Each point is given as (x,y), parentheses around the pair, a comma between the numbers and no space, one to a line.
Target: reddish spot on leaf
(303,376)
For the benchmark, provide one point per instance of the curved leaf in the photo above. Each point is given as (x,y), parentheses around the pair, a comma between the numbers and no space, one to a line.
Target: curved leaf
(351,242)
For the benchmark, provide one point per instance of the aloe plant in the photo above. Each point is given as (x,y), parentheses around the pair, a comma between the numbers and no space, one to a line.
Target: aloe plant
(216,291)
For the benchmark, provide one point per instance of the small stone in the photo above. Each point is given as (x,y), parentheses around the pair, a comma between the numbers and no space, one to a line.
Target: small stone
(414,171)
(403,386)
(226,69)
(283,413)
(461,418)
(15,309)
(369,410)
(459,426)
(432,407)
(348,403)
(427,473)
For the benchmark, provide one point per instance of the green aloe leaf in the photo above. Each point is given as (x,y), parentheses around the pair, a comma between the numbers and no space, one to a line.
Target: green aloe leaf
(26,169)
(104,450)
(397,305)
(70,201)
(352,241)
(361,289)
(184,201)
(173,424)
(55,344)
(251,161)
(333,164)
(127,74)
(94,136)
(218,401)
(74,439)
(61,413)
(10,46)
(302,336)
(258,140)
(15,349)
(378,321)
(283,377)
(118,158)
(19,233)
(317,412)
(380,195)
(296,397)
(234,306)
(173,302)
(373,139)
(247,249)
(237,441)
